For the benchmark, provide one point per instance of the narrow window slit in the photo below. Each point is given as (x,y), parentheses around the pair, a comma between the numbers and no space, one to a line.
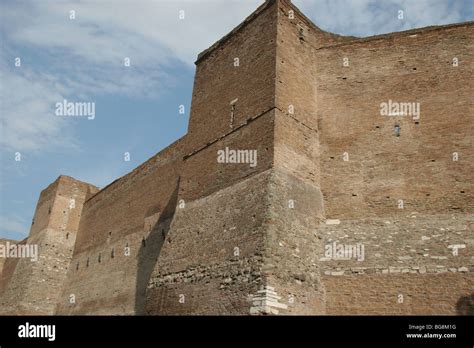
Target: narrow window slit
(397,130)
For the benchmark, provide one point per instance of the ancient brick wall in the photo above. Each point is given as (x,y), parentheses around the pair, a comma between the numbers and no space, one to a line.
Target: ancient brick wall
(296,133)
(141,210)
(202,174)
(412,264)
(401,294)
(186,234)
(291,266)
(241,67)
(297,206)
(325,107)
(7,265)
(115,224)
(247,124)
(417,166)
(34,286)
(212,265)
(3,259)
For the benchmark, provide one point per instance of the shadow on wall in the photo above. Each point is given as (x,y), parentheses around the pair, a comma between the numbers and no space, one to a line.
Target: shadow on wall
(7,273)
(465,305)
(150,250)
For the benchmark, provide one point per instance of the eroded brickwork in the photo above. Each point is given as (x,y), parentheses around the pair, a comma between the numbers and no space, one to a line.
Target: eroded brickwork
(34,286)
(186,234)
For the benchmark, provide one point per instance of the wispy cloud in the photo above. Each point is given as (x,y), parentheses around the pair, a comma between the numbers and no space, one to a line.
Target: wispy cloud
(28,122)
(14,225)
(372,17)
(82,58)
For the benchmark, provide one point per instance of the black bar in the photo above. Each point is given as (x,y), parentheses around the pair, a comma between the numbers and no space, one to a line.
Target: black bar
(261,330)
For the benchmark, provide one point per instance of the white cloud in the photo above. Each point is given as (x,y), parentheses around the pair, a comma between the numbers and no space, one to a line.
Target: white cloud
(104,32)
(27,122)
(372,17)
(14,225)
(83,58)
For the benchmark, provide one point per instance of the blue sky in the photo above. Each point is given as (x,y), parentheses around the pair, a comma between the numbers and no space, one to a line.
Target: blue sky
(82,60)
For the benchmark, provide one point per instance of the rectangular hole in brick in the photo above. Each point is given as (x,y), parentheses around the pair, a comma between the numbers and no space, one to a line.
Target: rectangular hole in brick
(397,130)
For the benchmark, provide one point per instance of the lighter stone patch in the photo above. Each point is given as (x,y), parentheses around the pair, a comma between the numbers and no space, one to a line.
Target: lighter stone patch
(333,222)
(266,302)
(457,246)
(337,273)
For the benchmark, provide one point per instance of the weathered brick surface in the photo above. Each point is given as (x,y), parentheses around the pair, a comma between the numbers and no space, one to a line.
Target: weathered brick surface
(408,255)
(115,222)
(218,258)
(336,109)
(187,171)
(218,82)
(418,166)
(7,266)
(34,287)
(184,234)
(427,294)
